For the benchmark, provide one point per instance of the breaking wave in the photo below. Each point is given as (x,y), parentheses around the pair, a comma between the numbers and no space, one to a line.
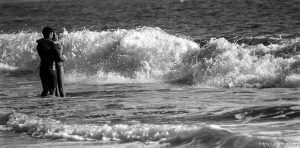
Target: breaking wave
(150,54)
(209,136)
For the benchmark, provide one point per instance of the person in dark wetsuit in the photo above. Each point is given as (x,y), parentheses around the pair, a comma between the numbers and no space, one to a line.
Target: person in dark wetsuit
(59,69)
(49,54)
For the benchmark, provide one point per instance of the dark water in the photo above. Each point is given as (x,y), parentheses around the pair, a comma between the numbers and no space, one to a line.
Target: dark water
(159,73)
(196,18)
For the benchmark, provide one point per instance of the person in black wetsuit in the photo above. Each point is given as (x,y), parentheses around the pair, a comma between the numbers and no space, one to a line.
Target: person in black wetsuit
(49,55)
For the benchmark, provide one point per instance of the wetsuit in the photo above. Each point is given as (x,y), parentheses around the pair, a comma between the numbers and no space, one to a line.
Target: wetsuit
(60,73)
(49,54)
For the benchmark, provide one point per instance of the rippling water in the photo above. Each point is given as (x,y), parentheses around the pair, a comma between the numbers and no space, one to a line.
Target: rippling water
(189,73)
(140,113)
(196,18)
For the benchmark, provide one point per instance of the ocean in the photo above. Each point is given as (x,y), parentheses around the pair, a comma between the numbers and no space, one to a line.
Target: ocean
(154,74)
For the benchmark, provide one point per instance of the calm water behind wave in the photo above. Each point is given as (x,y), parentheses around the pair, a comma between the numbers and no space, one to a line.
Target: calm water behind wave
(196,18)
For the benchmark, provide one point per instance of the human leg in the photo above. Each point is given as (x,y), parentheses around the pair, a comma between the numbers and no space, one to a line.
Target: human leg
(60,80)
(43,77)
(52,79)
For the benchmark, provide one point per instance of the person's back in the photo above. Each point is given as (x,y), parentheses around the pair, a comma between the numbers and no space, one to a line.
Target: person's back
(44,48)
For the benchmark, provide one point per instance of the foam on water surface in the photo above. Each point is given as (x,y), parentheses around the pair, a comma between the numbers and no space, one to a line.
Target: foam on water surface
(210,136)
(148,115)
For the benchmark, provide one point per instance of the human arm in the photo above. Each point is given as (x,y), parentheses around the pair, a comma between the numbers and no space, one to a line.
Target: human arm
(57,54)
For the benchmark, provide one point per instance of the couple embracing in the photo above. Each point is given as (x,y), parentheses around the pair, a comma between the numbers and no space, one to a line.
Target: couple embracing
(51,67)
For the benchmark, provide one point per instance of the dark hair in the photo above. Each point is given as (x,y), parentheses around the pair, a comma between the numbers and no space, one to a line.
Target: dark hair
(47,30)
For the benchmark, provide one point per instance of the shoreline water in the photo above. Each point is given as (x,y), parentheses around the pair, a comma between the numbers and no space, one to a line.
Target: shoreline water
(266,113)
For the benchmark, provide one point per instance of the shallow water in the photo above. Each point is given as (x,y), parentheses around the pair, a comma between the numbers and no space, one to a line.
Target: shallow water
(141,115)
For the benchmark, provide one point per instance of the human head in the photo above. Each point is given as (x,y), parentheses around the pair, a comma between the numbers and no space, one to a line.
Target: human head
(48,32)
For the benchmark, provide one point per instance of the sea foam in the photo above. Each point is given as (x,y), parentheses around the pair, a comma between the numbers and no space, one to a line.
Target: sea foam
(209,136)
(147,54)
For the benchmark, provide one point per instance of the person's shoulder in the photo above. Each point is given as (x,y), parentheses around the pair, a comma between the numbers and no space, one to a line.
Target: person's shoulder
(40,40)
(45,41)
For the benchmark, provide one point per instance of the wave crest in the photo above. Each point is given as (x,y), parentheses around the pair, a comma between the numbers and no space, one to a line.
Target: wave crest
(150,54)
(209,136)
(225,64)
